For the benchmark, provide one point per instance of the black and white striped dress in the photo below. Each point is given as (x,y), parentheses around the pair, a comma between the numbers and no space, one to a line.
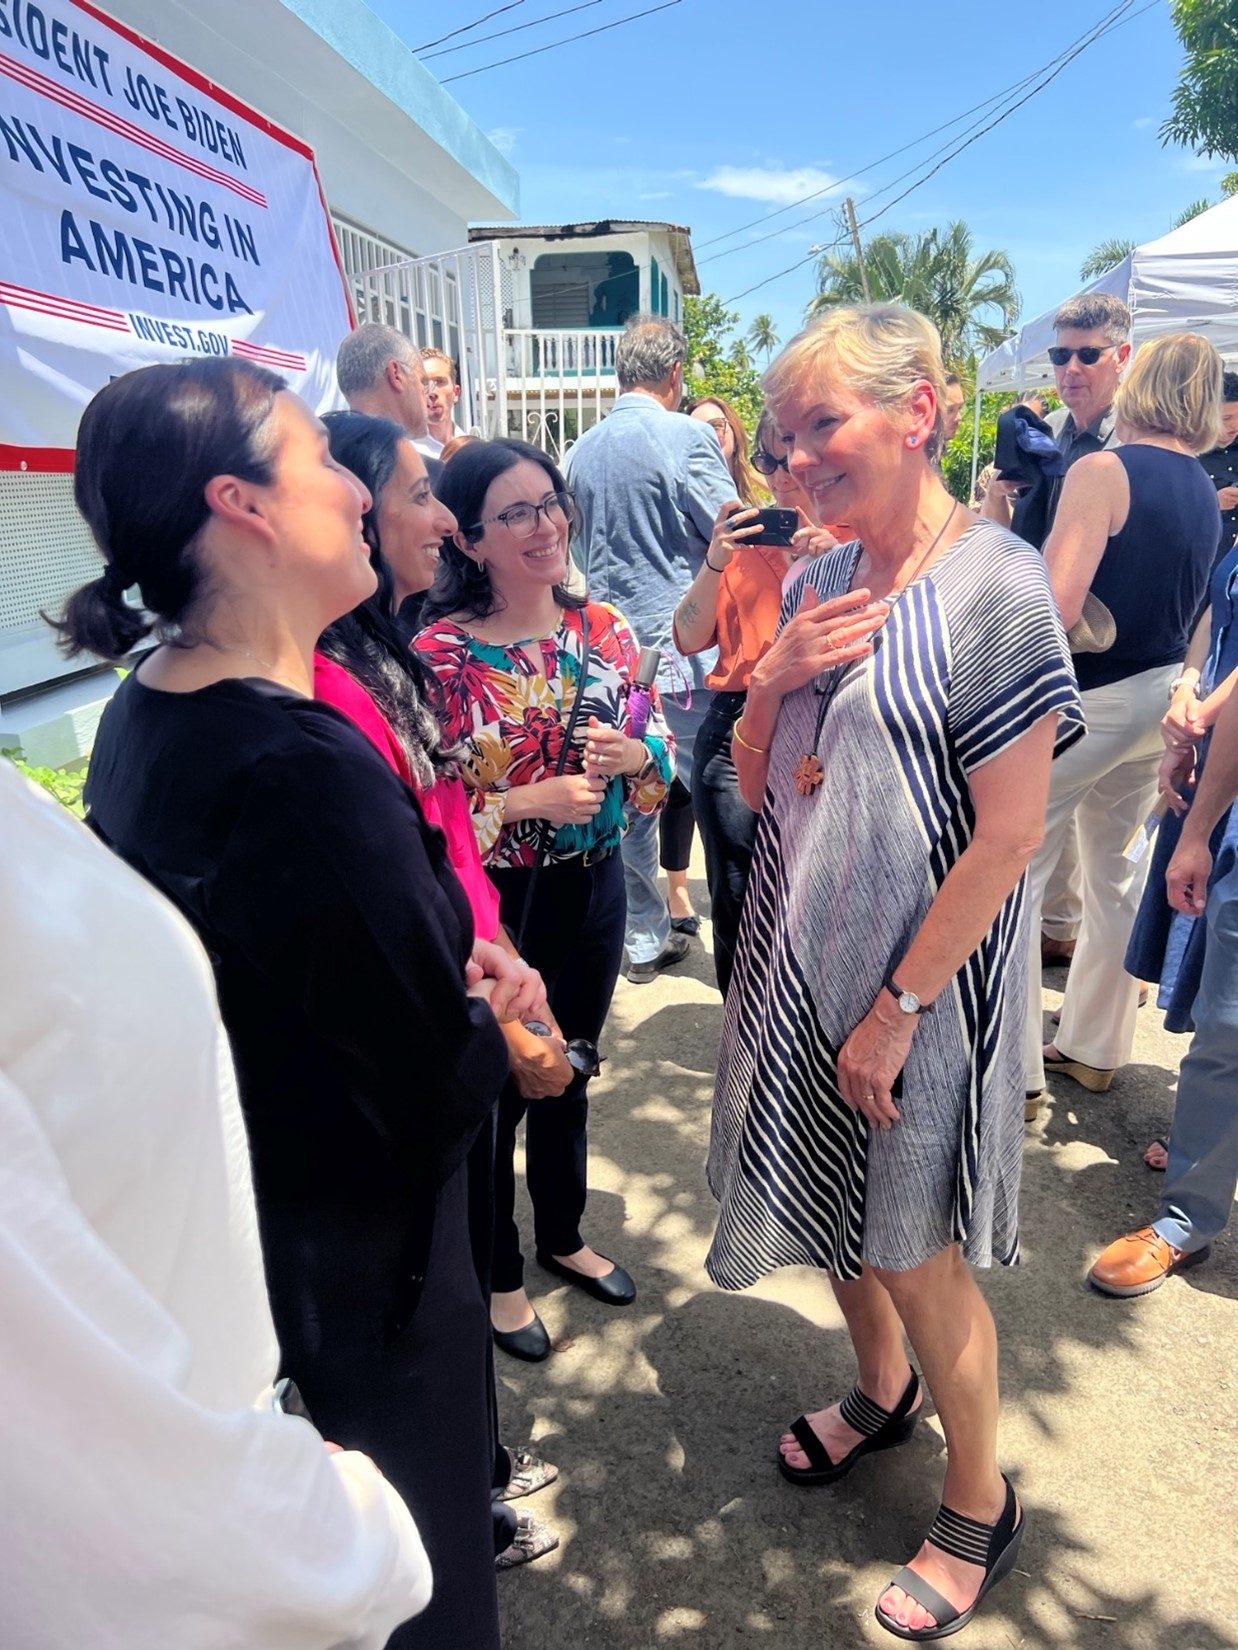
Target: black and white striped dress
(972,656)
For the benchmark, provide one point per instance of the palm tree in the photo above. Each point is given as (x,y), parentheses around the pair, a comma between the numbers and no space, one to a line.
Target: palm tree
(761,335)
(740,356)
(1104,257)
(971,298)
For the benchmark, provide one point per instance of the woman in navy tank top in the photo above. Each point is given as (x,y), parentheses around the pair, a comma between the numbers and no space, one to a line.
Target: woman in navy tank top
(1137,529)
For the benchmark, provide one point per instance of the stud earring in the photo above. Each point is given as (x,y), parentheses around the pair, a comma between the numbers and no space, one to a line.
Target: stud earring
(913,440)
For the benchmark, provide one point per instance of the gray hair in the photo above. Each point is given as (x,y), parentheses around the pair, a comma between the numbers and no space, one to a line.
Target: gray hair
(648,351)
(362,360)
(1095,312)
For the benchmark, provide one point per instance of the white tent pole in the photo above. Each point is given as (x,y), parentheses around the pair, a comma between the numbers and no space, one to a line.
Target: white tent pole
(975,440)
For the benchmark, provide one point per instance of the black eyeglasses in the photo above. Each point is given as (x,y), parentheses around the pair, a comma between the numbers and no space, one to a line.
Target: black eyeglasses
(767,464)
(521,519)
(1089,355)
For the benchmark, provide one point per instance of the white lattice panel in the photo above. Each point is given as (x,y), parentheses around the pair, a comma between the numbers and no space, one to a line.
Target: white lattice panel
(45,549)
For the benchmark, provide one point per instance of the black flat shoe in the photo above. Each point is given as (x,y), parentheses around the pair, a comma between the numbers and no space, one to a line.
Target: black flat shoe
(882,1429)
(686,925)
(994,1546)
(615,1289)
(531,1343)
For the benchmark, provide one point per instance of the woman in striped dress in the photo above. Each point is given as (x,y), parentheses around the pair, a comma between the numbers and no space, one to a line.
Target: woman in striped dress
(869,1110)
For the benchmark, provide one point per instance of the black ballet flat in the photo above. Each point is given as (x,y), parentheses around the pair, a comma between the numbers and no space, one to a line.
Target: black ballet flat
(531,1343)
(615,1289)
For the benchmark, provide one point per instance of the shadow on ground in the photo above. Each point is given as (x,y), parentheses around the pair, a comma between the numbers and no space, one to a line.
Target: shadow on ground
(663,1417)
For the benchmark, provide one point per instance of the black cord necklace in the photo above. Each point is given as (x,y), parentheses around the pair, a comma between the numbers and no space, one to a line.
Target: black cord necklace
(810,772)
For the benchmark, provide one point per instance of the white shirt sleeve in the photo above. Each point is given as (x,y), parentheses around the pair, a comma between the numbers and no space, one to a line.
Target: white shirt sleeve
(150,1496)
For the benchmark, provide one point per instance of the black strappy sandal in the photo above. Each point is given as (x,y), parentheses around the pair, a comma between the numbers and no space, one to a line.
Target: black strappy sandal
(995,1546)
(882,1429)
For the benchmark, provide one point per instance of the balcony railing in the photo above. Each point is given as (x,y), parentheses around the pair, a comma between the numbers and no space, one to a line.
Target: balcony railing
(558,383)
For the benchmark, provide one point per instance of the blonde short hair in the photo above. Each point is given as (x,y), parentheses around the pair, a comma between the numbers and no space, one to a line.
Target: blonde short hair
(880,351)
(1173,387)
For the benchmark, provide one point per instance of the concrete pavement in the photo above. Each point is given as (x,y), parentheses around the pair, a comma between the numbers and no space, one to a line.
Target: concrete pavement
(1118,1420)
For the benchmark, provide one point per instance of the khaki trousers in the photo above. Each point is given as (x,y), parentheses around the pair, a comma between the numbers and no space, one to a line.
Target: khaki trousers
(1106,783)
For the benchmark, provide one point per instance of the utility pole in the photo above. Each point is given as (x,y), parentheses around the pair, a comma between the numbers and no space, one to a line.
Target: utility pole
(859,250)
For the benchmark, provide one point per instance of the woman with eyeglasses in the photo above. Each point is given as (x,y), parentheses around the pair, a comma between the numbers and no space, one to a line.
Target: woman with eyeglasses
(1129,556)
(727,425)
(534,686)
(733,605)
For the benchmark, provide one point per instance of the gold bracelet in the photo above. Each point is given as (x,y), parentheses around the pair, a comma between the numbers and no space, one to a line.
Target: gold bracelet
(757,750)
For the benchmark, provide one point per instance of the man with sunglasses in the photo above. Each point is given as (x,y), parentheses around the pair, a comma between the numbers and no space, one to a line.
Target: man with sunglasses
(1093,345)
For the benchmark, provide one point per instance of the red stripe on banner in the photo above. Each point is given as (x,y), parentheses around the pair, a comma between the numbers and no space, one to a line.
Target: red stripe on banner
(88,311)
(38,460)
(269,355)
(34,81)
(38,308)
(195,78)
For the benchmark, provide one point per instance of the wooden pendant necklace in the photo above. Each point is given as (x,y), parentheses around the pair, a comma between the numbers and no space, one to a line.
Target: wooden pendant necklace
(809,771)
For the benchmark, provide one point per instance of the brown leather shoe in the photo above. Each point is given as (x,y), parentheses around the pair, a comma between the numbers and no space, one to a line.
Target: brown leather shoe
(1140,1262)
(1055,953)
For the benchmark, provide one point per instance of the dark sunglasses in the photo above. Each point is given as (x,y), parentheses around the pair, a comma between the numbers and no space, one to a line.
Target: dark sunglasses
(1089,355)
(767,465)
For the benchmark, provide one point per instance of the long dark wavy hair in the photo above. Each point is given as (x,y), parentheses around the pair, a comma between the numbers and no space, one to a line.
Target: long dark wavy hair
(462,586)
(367,642)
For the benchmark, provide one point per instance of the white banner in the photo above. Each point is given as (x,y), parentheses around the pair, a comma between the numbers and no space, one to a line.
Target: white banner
(144,216)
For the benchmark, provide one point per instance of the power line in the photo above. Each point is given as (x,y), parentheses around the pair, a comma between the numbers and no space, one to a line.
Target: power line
(1113,19)
(538,50)
(515,29)
(1097,34)
(915,143)
(475,24)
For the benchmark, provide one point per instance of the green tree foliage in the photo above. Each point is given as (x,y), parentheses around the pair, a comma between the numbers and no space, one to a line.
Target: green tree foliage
(1104,257)
(970,296)
(1229,184)
(1205,101)
(712,367)
(763,336)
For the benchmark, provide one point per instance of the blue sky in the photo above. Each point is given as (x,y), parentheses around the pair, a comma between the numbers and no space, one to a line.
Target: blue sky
(713,113)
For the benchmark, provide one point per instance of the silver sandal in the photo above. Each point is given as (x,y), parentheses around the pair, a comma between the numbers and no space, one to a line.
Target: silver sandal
(529,1474)
(533,1540)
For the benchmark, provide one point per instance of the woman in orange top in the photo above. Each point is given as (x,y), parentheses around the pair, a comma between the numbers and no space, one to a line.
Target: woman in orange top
(733,604)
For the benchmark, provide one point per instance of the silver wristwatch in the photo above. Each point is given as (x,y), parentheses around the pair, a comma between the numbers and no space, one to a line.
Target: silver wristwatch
(906,1000)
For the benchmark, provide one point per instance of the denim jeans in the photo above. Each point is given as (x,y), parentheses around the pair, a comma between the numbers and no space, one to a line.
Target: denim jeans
(727,825)
(647,841)
(1198,1197)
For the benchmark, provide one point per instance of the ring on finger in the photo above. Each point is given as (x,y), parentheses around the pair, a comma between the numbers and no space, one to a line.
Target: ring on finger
(833,641)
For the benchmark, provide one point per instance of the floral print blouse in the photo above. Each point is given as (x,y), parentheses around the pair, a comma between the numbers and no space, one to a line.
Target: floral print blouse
(509,705)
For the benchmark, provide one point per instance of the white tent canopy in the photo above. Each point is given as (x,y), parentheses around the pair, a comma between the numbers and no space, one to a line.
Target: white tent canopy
(1187,281)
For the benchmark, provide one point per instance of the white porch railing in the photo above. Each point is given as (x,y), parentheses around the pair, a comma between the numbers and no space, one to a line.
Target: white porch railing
(543,385)
(559,384)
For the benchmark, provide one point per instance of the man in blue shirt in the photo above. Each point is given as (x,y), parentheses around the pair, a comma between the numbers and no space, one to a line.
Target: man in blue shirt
(649,484)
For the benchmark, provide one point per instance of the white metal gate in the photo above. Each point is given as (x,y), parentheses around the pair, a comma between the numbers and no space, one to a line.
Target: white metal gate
(453,301)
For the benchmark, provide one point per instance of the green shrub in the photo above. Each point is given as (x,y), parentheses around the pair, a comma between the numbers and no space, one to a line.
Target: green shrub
(65,784)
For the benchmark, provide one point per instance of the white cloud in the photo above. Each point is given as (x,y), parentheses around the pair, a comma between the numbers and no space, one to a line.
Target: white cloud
(1203,163)
(766,183)
(1143,122)
(504,138)
(655,195)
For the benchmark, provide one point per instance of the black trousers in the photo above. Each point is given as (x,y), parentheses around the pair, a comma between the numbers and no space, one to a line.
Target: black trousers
(675,828)
(419,1402)
(574,937)
(727,825)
